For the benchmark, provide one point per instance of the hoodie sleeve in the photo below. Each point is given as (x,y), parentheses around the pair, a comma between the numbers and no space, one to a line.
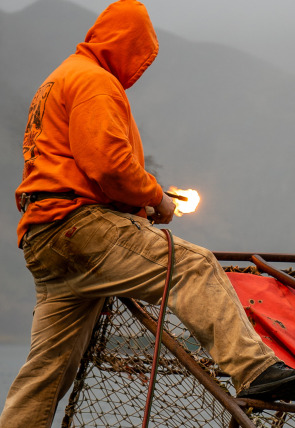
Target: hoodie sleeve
(99,134)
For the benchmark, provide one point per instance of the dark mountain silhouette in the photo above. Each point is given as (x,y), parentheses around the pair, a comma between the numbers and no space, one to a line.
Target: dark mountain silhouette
(211,117)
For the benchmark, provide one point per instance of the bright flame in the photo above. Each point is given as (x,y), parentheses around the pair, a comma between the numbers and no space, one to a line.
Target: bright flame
(185,207)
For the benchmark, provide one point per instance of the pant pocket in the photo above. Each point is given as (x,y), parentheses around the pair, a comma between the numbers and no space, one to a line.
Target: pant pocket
(86,242)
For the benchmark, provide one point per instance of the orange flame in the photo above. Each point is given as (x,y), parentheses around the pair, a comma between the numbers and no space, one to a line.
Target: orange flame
(185,207)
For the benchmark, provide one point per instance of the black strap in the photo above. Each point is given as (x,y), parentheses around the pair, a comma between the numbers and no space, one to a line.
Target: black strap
(27,198)
(39,196)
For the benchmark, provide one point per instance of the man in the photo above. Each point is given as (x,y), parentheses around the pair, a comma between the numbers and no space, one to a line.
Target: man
(85,234)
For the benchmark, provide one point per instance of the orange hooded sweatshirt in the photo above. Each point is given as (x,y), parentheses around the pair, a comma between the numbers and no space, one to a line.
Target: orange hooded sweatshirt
(81,135)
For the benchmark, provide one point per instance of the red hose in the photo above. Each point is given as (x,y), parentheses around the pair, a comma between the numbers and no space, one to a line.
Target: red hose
(158,340)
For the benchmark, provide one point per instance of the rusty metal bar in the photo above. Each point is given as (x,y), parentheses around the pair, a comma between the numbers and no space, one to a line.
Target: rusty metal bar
(233,423)
(283,277)
(266,405)
(270,257)
(189,363)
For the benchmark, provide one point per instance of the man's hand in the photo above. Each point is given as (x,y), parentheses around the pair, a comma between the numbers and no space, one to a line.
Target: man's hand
(164,211)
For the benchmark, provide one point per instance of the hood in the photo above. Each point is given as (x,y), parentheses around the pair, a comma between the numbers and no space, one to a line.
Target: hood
(122,40)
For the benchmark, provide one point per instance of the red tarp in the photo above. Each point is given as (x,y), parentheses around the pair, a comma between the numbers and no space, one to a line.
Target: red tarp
(270,306)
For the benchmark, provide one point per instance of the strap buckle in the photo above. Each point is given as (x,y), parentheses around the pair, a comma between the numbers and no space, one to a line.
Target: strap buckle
(25,200)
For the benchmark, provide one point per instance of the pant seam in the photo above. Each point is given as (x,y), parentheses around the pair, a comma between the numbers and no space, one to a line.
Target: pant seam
(246,324)
(269,362)
(59,380)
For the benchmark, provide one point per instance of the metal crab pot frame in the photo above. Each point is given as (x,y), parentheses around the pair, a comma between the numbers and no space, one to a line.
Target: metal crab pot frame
(191,391)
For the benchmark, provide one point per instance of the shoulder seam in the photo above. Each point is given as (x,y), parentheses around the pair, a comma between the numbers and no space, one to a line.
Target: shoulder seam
(95,96)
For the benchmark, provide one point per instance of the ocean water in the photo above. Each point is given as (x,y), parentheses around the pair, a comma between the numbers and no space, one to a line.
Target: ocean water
(12,357)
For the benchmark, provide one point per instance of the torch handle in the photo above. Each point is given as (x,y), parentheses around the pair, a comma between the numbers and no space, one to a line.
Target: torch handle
(175,196)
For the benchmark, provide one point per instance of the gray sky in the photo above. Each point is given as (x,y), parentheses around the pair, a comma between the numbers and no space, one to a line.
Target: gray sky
(262,27)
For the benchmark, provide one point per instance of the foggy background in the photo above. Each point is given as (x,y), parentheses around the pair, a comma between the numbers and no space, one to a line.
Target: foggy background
(215,112)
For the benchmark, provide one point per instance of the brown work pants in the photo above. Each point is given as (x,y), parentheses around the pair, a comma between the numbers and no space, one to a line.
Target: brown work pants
(95,253)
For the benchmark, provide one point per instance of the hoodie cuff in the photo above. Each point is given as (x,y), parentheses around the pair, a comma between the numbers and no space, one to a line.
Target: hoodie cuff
(158,197)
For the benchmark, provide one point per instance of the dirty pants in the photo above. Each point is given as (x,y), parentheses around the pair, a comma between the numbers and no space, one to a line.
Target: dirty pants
(96,253)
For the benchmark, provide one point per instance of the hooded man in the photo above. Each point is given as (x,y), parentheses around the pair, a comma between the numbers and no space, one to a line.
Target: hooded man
(86,236)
